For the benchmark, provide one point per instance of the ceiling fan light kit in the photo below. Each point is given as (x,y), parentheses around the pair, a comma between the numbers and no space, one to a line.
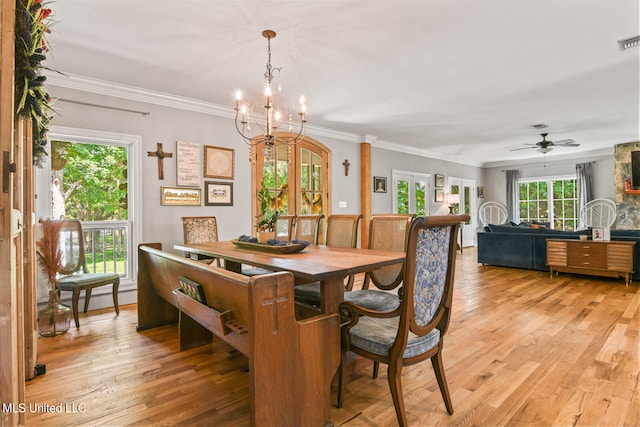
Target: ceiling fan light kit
(545,145)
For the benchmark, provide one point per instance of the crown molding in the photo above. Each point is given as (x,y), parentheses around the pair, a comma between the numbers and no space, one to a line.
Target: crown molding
(132,93)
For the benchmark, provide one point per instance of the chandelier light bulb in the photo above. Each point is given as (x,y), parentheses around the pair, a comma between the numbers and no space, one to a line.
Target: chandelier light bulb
(302,100)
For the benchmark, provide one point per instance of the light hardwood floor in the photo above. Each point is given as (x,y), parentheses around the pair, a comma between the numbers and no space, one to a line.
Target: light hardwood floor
(522,349)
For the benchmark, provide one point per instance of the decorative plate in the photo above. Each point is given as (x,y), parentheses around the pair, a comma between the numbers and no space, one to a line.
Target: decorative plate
(289,248)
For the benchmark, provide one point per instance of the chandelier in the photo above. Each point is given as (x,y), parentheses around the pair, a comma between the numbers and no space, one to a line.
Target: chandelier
(275,115)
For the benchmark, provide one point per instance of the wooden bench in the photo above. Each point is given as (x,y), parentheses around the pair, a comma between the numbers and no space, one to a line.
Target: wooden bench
(290,369)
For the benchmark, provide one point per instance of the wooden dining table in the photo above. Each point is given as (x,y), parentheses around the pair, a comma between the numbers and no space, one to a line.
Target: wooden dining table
(316,263)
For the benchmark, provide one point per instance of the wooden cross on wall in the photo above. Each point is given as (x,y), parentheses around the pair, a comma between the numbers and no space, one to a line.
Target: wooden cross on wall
(160,154)
(346,165)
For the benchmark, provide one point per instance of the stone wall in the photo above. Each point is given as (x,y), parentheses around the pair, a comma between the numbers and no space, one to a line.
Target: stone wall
(628,205)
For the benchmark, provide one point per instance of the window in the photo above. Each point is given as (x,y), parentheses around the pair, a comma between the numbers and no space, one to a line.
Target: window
(296,176)
(553,200)
(89,183)
(410,193)
(95,177)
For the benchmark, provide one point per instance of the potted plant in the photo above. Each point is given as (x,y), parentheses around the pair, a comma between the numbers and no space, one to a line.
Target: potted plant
(266,219)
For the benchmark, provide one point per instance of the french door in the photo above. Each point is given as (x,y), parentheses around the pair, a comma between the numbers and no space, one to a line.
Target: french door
(410,192)
(466,189)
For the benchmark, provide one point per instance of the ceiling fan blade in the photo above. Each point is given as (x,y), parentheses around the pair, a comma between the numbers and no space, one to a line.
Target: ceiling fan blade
(523,148)
(565,143)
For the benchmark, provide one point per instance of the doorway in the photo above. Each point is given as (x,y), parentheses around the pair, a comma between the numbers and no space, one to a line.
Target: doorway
(466,189)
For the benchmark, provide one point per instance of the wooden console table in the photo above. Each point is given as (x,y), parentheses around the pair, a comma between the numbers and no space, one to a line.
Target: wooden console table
(594,257)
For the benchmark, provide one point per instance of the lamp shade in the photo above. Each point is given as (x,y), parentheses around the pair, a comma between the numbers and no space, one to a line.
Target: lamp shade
(452,199)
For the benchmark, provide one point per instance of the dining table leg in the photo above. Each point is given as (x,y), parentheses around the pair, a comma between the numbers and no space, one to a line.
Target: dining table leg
(332,294)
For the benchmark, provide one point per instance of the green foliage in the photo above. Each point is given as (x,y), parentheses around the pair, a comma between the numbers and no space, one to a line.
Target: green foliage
(403,196)
(31,98)
(95,181)
(267,216)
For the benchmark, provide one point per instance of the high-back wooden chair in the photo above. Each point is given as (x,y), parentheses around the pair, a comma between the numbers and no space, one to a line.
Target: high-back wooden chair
(414,331)
(284,227)
(386,232)
(74,273)
(200,229)
(308,228)
(342,232)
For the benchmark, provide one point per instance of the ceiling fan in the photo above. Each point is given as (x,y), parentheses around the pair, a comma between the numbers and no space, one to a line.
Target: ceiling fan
(545,146)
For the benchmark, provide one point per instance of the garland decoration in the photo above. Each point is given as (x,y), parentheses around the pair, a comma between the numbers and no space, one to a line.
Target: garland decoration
(31,98)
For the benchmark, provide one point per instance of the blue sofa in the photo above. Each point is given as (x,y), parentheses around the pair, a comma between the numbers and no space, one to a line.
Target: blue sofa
(526,247)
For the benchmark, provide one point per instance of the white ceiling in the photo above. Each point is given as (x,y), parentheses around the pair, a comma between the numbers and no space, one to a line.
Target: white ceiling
(458,80)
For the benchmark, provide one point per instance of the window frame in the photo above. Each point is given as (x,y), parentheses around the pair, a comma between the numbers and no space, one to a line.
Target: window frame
(550,200)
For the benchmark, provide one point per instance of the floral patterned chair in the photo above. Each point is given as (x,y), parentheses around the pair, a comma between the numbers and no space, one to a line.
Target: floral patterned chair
(414,331)
(200,229)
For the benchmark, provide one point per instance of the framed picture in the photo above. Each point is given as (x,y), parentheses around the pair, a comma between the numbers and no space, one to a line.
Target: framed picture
(597,233)
(480,192)
(439,195)
(188,164)
(218,162)
(379,184)
(218,193)
(439,181)
(178,196)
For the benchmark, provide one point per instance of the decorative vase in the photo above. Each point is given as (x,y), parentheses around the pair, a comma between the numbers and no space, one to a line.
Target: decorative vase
(55,318)
(263,236)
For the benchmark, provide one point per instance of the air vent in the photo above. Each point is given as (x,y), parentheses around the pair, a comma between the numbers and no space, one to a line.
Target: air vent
(541,126)
(630,42)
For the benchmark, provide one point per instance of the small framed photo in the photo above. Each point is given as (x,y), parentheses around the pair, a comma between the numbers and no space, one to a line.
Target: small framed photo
(179,196)
(597,233)
(439,195)
(439,181)
(218,162)
(480,191)
(379,184)
(218,193)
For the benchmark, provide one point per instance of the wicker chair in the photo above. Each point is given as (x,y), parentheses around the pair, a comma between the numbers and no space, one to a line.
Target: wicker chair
(342,232)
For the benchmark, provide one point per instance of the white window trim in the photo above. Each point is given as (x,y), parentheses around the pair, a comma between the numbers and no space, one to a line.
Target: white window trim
(550,193)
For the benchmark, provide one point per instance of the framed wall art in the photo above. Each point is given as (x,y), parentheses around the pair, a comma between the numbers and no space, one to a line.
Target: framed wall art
(439,181)
(480,191)
(179,196)
(379,184)
(188,164)
(218,162)
(218,193)
(439,195)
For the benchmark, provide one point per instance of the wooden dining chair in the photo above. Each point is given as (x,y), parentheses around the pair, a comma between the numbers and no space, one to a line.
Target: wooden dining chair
(200,229)
(387,232)
(74,273)
(415,330)
(342,232)
(308,228)
(284,227)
